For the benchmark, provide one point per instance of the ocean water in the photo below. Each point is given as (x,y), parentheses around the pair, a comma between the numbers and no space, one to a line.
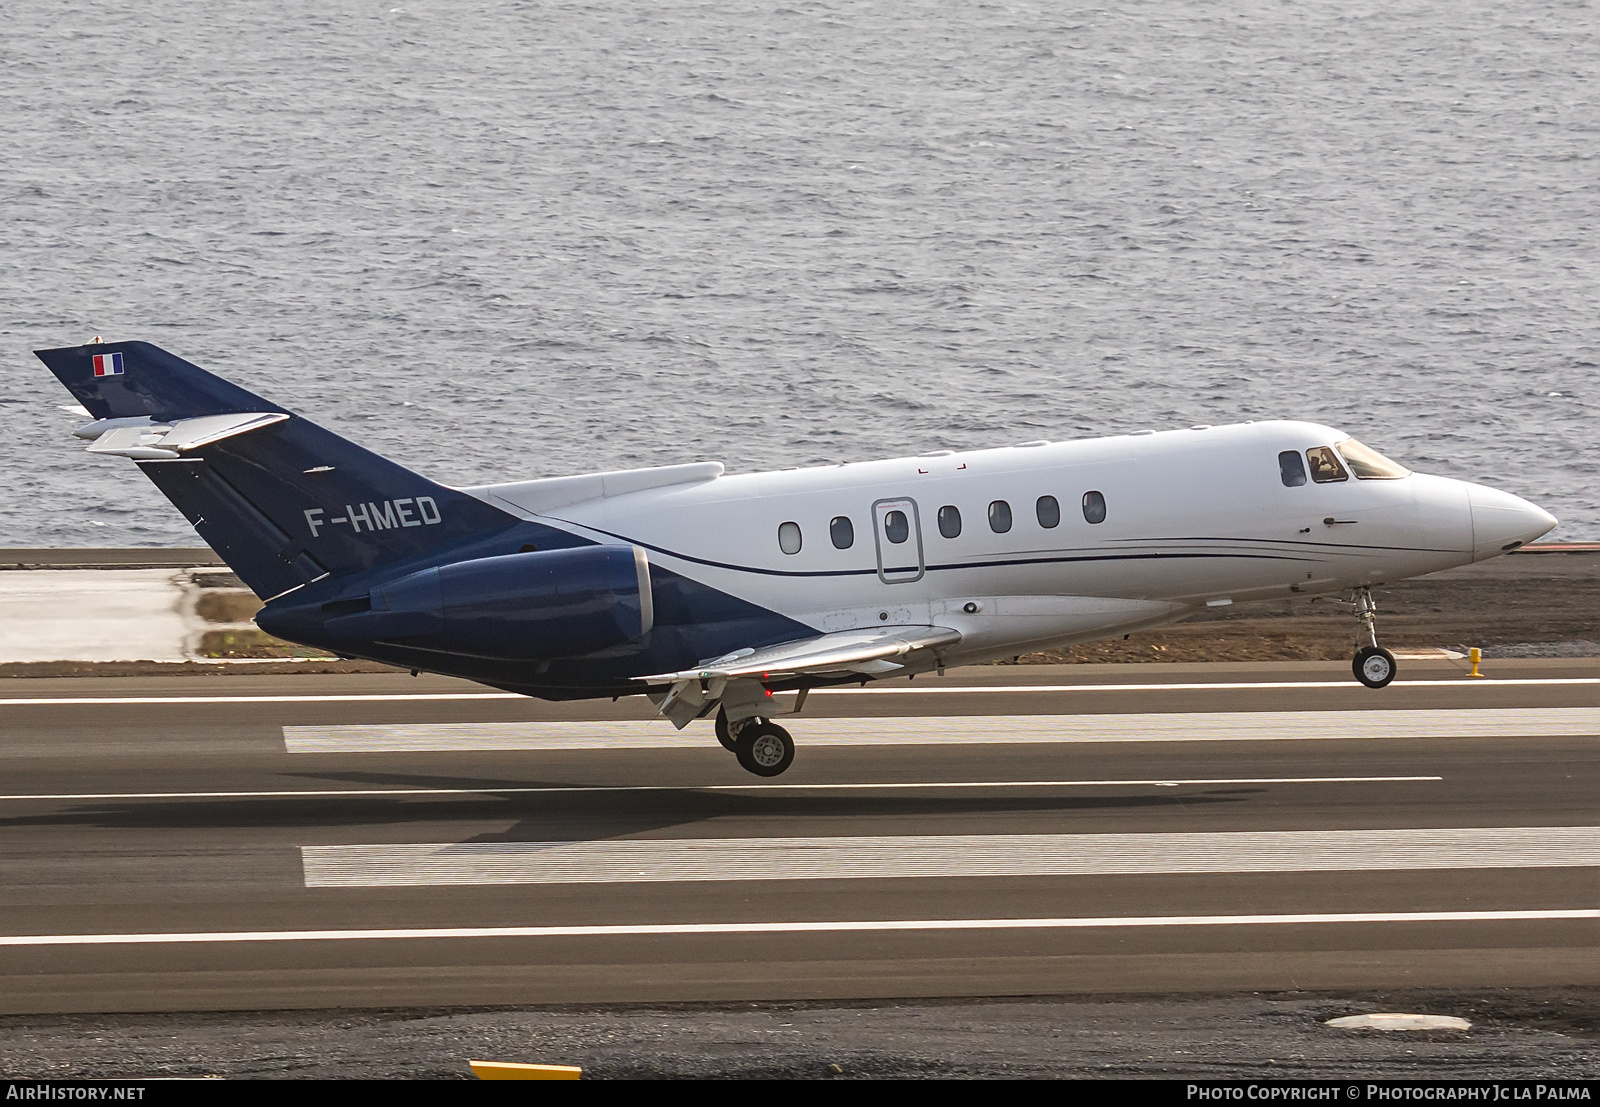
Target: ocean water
(512,239)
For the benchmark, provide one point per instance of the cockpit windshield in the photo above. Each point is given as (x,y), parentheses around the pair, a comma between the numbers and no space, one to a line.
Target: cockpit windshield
(1367,463)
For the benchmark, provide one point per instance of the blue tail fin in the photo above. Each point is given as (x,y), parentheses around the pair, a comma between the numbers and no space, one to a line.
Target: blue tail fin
(282,500)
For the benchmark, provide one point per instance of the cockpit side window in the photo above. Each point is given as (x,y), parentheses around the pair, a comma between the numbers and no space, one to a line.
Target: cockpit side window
(1325,467)
(1291,469)
(1368,464)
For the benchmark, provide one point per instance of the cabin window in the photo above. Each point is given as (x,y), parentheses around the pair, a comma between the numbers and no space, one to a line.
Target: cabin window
(1325,467)
(1368,464)
(895,527)
(1094,507)
(789,538)
(999,516)
(843,532)
(1049,512)
(1291,469)
(950,521)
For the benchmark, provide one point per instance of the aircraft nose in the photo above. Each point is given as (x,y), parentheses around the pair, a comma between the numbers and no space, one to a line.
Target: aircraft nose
(1501,522)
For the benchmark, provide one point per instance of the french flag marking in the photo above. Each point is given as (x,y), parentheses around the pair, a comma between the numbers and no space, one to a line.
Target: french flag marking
(108,365)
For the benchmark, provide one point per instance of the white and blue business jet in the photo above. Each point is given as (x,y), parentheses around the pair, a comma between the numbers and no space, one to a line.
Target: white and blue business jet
(709,592)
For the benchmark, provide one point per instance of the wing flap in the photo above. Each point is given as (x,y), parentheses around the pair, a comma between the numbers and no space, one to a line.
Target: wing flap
(870,651)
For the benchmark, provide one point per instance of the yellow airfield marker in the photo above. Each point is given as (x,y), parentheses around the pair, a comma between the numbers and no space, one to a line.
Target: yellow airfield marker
(1475,655)
(506,1070)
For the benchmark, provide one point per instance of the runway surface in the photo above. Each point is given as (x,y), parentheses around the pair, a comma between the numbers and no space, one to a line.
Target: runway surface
(376,840)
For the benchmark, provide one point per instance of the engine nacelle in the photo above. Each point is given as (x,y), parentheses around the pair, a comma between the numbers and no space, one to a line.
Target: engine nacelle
(530,606)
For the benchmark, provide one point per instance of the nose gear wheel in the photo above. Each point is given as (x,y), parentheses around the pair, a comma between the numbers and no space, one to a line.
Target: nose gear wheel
(1374,666)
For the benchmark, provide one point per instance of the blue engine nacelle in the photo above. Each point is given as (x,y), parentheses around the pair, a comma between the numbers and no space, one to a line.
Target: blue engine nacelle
(528,606)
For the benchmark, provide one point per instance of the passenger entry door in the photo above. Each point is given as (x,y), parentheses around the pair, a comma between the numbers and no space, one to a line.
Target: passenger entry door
(897,535)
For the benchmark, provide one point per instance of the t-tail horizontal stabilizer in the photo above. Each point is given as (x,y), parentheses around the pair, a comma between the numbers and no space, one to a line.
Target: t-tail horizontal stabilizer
(282,500)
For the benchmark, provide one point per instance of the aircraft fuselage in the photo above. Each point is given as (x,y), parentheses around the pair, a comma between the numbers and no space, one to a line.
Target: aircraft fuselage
(999,544)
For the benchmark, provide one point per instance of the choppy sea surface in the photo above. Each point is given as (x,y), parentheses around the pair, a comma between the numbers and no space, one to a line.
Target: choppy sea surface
(513,239)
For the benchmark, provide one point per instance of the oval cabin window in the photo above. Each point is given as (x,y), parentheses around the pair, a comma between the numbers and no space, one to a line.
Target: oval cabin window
(843,533)
(896,528)
(1049,512)
(999,516)
(950,521)
(1094,507)
(789,538)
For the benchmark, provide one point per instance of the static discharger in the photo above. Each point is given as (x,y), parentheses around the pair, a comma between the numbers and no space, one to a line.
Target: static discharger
(506,1070)
(1400,1022)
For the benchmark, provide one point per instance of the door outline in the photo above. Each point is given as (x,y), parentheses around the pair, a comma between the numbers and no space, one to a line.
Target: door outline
(881,508)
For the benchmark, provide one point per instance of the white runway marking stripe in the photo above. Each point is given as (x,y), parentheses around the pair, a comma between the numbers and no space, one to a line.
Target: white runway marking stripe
(375,697)
(624,861)
(1216,726)
(886,688)
(880,690)
(337,793)
(632,930)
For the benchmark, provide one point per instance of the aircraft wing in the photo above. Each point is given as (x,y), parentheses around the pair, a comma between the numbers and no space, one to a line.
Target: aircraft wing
(869,651)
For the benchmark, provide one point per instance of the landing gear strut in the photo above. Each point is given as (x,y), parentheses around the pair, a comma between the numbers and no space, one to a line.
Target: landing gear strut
(1374,666)
(728,734)
(761,745)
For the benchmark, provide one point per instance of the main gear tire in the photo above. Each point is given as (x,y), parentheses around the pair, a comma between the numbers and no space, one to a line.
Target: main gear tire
(1374,666)
(727,734)
(764,748)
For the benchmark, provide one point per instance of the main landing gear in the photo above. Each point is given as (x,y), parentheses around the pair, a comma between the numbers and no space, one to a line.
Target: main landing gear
(761,745)
(1374,666)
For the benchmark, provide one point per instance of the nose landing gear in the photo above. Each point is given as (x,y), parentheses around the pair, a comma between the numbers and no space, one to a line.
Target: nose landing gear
(1373,665)
(761,745)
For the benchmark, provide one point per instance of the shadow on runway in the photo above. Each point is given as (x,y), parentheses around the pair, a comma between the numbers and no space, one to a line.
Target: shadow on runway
(576,815)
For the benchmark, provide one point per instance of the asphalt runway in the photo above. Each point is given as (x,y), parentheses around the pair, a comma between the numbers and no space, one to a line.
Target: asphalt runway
(214,843)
